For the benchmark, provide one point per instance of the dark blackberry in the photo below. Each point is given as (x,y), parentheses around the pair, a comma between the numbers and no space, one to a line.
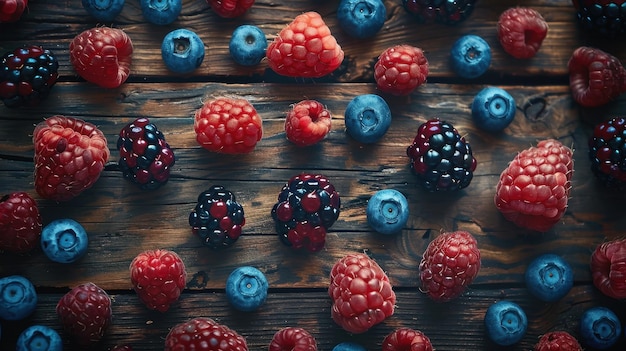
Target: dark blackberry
(606,18)
(26,75)
(440,157)
(217,218)
(441,11)
(307,206)
(145,158)
(607,152)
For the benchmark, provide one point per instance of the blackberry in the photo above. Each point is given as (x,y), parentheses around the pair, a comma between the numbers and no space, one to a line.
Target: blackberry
(307,206)
(26,75)
(606,18)
(440,157)
(441,11)
(607,152)
(145,158)
(217,218)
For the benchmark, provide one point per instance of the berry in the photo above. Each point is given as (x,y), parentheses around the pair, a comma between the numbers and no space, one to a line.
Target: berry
(226,125)
(293,339)
(448,12)
(145,157)
(218,218)
(247,45)
(85,313)
(102,55)
(603,17)
(608,268)
(64,240)
(70,154)
(534,188)
(20,223)
(122,348)
(203,334)
(387,211)
(406,339)
(595,77)
(158,277)
(361,292)
(367,118)
(361,18)
(18,298)
(27,75)
(608,162)
(161,12)
(505,323)
(246,288)
(348,346)
(103,10)
(449,264)
(521,31)
(470,56)
(600,328)
(182,51)
(400,69)
(307,207)
(557,341)
(39,338)
(12,10)
(493,109)
(307,123)
(305,48)
(230,8)
(549,277)
(440,157)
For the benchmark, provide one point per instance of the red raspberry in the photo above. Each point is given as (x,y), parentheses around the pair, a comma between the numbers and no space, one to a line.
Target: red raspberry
(400,69)
(608,268)
(203,334)
(307,123)
(158,277)
(230,8)
(595,77)
(521,31)
(102,56)
(20,223)
(12,10)
(305,48)
(85,313)
(557,341)
(361,292)
(449,264)
(70,154)
(533,190)
(230,126)
(293,339)
(404,339)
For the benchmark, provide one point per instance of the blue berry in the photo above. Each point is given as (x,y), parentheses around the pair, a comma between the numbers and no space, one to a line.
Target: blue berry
(18,298)
(104,10)
(387,211)
(506,323)
(247,45)
(493,109)
(549,277)
(39,338)
(246,288)
(470,56)
(161,12)
(64,240)
(367,118)
(349,346)
(361,18)
(182,51)
(600,328)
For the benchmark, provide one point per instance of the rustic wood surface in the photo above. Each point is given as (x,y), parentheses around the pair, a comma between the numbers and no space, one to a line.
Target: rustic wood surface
(122,220)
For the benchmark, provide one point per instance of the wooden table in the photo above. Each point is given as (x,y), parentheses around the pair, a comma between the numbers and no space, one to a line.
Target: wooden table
(122,220)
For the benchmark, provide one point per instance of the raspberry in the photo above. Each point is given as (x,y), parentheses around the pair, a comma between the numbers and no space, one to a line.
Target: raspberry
(85,313)
(12,10)
(217,218)
(406,339)
(305,48)
(293,339)
(307,123)
(521,31)
(145,157)
(102,56)
(203,334)
(70,154)
(230,8)
(595,77)
(449,264)
(400,69)
(604,17)
(533,190)
(608,162)
(361,292)
(307,206)
(608,268)
(158,277)
(447,12)
(557,341)
(20,223)
(230,126)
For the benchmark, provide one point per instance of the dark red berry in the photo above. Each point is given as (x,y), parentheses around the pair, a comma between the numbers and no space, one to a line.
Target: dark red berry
(607,152)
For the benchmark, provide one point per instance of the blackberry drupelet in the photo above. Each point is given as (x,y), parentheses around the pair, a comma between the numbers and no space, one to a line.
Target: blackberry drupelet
(607,152)
(440,157)
(606,18)
(26,75)
(441,11)
(217,218)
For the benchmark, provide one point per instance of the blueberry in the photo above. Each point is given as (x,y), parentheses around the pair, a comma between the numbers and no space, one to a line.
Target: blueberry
(161,12)
(64,240)
(506,323)
(493,109)
(104,10)
(361,18)
(549,277)
(18,298)
(182,51)
(600,328)
(349,346)
(246,288)
(470,56)
(39,338)
(387,211)
(247,45)
(367,118)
